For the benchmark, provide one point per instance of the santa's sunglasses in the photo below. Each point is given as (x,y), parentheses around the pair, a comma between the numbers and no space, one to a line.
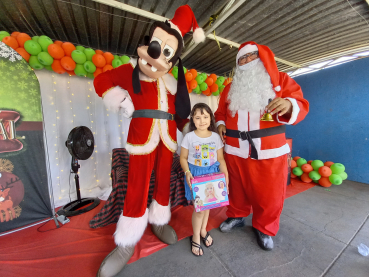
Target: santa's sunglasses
(252,56)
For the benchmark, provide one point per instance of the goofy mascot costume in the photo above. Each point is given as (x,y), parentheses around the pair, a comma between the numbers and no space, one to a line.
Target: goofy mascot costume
(157,104)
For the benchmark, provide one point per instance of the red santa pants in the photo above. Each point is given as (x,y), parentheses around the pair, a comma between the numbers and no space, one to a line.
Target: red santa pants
(139,172)
(260,185)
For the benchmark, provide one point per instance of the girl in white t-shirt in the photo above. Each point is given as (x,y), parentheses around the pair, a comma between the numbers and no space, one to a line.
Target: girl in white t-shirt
(201,153)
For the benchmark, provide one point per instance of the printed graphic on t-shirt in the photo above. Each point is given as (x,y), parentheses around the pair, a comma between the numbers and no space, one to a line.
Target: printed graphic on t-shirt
(204,153)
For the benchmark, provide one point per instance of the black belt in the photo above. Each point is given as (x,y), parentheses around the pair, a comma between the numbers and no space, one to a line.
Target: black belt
(153,114)
(255,134)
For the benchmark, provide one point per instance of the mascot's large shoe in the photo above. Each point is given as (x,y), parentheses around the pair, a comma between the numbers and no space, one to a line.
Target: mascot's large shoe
(230,223)
(265,241)
(165,233)
(115,261)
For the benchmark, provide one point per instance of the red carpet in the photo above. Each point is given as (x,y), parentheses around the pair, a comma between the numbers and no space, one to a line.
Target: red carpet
(76,249)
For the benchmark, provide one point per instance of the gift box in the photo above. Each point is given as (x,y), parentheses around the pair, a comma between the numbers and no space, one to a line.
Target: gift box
(209,191)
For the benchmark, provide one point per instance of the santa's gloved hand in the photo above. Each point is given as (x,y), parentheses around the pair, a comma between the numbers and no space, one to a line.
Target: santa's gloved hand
(114,97)
(127,107)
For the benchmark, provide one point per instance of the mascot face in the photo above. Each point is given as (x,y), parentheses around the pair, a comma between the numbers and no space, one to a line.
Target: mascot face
(154,60)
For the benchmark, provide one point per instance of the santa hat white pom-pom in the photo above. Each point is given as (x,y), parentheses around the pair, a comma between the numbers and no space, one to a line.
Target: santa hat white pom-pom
(199,35)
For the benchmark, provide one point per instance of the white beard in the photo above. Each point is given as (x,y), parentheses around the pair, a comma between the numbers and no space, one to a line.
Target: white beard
(250,89)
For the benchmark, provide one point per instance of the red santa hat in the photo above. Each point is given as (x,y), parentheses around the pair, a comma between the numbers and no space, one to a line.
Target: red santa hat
(184,21)
(266,56)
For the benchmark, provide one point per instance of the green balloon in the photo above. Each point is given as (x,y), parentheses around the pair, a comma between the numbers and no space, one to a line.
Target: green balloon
(314,175)
(44,58)
(297,171)
(125,59)
(79,57)
(343,175)
(80,48)
(221,88)
(32,47)
(89,67)
(80,70)
(199,79)
(175,72)
(204,76)
(300,162)
(48,67)
(89,52)
(116,57)
(337,168)
(316,164)
(3,34)
(90,75)
(116,62)
(184,70)
(34,63)
(35,38)
(216,93)
(220,81)
(203,86)
(44,41)
(197,90)
(316,181)
(335,179)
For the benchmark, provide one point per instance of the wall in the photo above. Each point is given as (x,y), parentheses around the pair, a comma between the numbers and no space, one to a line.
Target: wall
(337,126)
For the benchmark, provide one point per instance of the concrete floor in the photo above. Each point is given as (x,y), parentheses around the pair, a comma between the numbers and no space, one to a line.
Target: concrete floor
(319,233)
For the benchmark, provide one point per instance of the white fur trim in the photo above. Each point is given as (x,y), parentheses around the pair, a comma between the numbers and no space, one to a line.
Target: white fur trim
(295,112)
(186,129)
(273,153)
(114,97)
(158,214)
(219,123)
(175,27)
(149,146)
(133,62)
(246,49)
(170,83)
(277,88)
(130,229)
(199,35)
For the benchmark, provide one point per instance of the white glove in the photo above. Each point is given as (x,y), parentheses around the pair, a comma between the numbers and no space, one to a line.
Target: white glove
(114,97)
(127,107)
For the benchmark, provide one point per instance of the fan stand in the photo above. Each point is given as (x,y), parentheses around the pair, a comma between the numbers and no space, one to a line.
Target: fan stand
(76,207)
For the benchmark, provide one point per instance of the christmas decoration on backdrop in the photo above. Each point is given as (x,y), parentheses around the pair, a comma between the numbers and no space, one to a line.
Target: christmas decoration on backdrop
(63,57)
(324,174)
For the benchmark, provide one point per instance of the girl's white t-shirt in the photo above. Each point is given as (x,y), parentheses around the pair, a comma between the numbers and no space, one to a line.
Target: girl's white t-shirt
(202,151)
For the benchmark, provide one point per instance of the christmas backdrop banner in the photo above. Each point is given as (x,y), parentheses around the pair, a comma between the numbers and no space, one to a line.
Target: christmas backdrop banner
(24,193)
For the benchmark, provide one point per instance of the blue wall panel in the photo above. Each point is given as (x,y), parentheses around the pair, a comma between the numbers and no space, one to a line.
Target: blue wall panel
(337,126)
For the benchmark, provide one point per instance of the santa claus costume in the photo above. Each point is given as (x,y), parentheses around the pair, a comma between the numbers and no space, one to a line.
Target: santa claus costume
(256,150)
(158,104)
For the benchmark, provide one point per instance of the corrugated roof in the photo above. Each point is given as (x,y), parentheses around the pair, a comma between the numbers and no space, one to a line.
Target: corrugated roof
(299,31)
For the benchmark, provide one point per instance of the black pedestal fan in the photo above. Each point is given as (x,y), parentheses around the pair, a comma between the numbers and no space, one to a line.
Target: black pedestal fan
(80,144)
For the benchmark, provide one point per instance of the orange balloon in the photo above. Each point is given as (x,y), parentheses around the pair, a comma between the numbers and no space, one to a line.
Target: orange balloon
(324,182)
(56,51)
(328,164)
(57,67)
(58,42)
(67,63)
(293,164)
(209,81)
(15,34)
(207,92)
(307,168)
(107,67)
(194,73)
(170,70)
(214,77)
(293,175)
(325,171)
(214,87)
(98,71)
(22,38)
(226,82)
(109,57)
(309,161)
(71,72)
(99,52)
(193,84)
(188,76)
(68,48)
(11,42)
(296,158)
(98,60)
(305,177)
(23,53)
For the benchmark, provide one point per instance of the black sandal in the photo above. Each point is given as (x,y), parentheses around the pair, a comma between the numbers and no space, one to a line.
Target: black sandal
(204,240)
(196,245)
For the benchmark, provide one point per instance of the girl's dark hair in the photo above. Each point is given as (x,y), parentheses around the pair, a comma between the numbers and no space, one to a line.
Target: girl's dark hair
(202,106)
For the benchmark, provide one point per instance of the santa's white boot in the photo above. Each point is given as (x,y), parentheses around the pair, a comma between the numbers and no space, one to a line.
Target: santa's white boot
(159,217)
(129,231)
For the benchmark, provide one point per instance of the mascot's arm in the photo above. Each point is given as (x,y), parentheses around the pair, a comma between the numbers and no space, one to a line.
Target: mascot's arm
(114,96)
(292,92)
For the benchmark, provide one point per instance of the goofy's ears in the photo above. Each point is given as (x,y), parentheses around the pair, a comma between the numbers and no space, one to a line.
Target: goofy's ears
(182,104)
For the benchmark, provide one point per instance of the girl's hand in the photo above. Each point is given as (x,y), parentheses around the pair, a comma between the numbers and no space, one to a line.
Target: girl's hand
(189,177)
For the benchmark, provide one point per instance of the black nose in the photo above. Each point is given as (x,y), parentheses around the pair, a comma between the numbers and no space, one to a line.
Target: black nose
(154,50)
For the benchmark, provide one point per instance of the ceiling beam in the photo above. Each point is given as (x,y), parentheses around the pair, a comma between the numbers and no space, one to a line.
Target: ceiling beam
(228,10)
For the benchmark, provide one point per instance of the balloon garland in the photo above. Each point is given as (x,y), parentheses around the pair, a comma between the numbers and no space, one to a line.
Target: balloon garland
(63,57)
